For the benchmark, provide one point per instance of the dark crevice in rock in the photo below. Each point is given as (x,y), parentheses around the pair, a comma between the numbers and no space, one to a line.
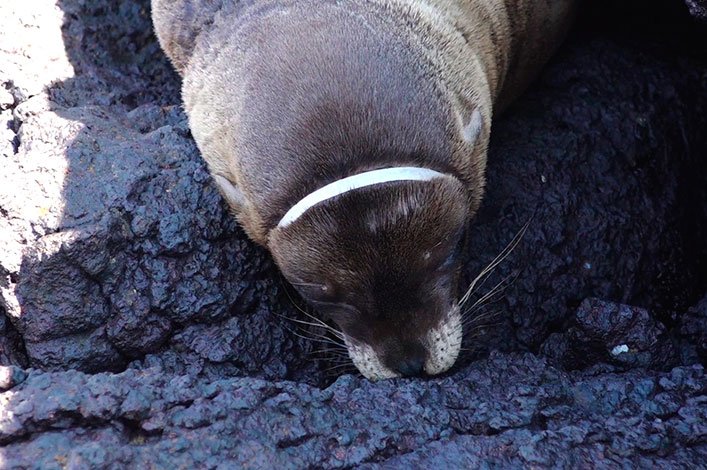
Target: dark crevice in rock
(389,451)
(60,420)
(296,442)
(136,433)
(12,345)
(10,122)
(538,422)
(16,142)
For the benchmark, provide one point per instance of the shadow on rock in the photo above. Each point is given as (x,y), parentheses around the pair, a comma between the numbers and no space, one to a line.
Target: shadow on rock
(123,246)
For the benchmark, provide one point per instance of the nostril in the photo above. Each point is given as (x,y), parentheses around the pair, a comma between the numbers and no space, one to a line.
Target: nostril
(411,366)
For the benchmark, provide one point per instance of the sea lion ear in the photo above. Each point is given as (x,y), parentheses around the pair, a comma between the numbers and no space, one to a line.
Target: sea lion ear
(472,128)
(178,23)
(230,192)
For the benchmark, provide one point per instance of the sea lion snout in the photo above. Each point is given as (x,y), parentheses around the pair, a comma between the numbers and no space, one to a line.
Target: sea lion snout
(432,352)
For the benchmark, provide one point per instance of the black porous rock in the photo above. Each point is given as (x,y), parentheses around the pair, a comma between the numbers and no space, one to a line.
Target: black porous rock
(692,332)
(508,411)
(140,328)
(116,241)
(606,332)
(698,8)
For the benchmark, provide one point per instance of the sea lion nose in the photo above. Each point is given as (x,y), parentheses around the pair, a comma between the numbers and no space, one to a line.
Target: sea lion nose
(406,358)
(412,366)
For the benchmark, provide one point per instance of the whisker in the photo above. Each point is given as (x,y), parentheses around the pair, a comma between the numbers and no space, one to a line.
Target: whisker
(325,338)
(302,322)
(334,340)
(329,328)
(496,261)
(336,352)
(340,362)
(305,284)
(340,368)
(323,324)
(318,322)
(474,330)
(499,288)
(481,331)
(292,301)
(320,339)
(335,362)
(470,321)
(330,355)
(478,311)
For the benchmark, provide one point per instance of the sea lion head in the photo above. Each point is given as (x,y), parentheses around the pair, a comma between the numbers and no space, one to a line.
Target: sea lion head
(382,262)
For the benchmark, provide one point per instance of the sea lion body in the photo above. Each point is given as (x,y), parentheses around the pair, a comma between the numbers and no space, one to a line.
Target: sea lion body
(285,97)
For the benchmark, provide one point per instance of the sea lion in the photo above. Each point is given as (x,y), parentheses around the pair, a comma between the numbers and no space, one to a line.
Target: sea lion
(349,137)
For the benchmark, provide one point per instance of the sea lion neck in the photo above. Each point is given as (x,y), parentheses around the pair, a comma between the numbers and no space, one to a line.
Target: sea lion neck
(333,93)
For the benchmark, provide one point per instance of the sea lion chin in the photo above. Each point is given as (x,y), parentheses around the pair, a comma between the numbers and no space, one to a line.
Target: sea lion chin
(349,138)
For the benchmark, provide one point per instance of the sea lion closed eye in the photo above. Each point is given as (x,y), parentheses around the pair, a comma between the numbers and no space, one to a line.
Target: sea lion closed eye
(350,139)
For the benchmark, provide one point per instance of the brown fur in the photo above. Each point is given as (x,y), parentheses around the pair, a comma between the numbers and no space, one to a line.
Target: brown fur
(286,96)
(384,274)
(323,86)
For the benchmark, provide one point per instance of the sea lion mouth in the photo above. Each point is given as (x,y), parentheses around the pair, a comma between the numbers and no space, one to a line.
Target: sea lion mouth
(442,345)
(367,361)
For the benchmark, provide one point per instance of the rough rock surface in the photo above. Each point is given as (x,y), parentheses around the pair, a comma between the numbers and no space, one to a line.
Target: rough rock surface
(116,242)
(118,255)
(698,8)
(693,333)
(511,410)
(612,333)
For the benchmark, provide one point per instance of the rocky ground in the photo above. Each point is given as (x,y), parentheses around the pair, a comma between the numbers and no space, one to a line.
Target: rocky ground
(139,326)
